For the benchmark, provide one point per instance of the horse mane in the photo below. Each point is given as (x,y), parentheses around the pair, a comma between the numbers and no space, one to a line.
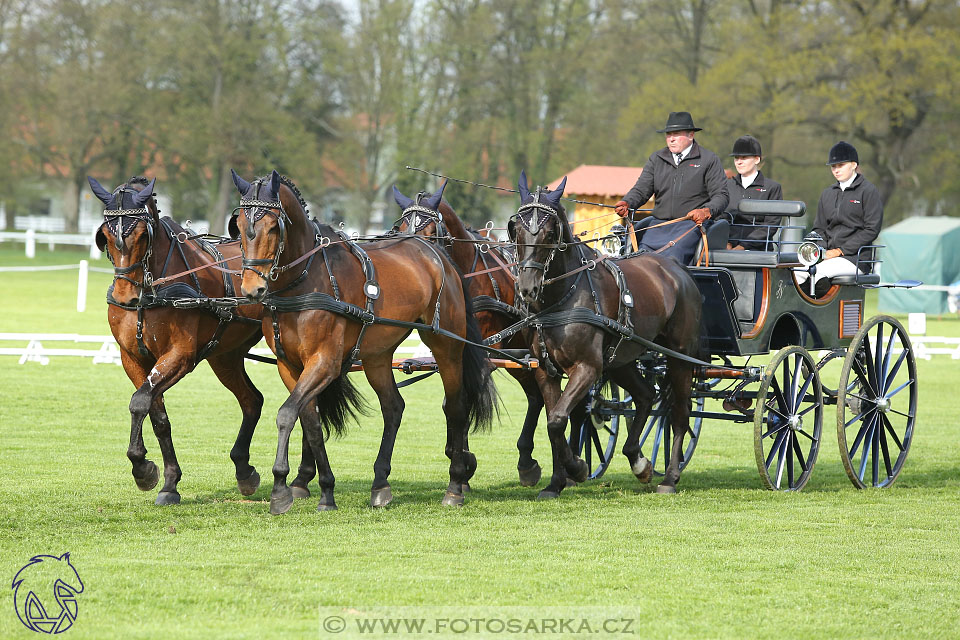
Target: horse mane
(566,232)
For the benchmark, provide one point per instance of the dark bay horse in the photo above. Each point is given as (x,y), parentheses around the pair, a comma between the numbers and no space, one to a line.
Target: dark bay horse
(160,344)
(571,282)
(493,295)
(322,293)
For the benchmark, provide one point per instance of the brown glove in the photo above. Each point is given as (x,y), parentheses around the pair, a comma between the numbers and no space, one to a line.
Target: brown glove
(699,215)
(622,208)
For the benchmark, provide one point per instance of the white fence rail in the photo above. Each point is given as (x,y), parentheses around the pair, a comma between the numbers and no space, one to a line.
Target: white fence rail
(30,238)
(35,347)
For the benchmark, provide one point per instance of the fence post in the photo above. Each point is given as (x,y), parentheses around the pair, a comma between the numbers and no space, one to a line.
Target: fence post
(94,250)
(31,243)
(82,287)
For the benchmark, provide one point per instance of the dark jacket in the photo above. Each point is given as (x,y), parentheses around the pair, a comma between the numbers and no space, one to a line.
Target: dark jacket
(849,219)
(698,182)
(753,233)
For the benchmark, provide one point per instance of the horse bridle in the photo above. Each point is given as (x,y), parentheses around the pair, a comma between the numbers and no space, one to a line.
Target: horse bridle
(418,217)
(254,210)
(533,215)
(123,228)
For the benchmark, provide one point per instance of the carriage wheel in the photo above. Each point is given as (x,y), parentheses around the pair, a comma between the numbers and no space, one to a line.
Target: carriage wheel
(877,412)
(658,426)
(788,420)
(596,439)
(829,368)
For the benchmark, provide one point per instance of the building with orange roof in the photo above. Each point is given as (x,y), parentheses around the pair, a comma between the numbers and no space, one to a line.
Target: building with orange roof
(602,185)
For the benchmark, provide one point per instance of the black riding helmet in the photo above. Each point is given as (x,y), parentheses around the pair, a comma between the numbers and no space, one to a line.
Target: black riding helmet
(746,146)
(843,152)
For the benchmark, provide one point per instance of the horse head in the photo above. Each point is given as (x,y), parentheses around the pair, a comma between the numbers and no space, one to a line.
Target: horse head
(47,581)
(261,224)
(130,218)
(421,217)
(539,229)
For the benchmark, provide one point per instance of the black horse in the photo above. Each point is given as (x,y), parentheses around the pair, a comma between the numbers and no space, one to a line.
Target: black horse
(577,290)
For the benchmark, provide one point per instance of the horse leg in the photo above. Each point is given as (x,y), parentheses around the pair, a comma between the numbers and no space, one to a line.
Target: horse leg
(314,448)
(527,466)
(144,471)
(380,376)
(230,371)
(306,471)
(680,376)
(309,385)
(643,395)
(171,468)
(449,358)
(565,462)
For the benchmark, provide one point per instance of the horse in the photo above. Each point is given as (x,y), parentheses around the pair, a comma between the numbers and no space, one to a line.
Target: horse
(160,343)
(579,297)
(493,294)
(355,302)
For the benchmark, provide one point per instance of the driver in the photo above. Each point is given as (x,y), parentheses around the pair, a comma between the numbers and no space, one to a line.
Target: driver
(688,184)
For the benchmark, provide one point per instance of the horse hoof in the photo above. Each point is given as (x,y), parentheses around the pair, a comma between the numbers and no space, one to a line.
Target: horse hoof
(327,506)
(466,487)
(280,501)
(451,499)
(666,488)
(643,469)
(165,498)
(548,494)
(570,483)
(580,471)
(150,479)
(530,477)
(381,497)
(249,486)
(299,492)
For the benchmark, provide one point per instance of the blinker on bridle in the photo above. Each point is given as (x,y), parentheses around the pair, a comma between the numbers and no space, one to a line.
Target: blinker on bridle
(419,216)
(253,210)
(533,215)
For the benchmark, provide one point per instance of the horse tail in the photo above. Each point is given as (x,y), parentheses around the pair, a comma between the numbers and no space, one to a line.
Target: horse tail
(479,391)
(338,402)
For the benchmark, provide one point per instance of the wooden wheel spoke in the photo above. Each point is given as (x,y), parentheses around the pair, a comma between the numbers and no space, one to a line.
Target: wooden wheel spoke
(799,452)
(812,439)
(856,443)
(778,395)
(875,458)
(656,442)
(774,430)
(807,410)
(893,434)
(781,455)
(878,356)
(899,389)
(886,452)
(892,374)
(597,444)
(775,447)
(867,441)
(788,445)
(857,417)
(862,376)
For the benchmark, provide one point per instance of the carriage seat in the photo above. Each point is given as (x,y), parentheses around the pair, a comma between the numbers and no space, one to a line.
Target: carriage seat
(860,278)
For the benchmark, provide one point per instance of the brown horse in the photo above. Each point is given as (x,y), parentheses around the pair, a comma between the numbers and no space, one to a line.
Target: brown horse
(332,301)
(160,344)
(652,295)
(493,295)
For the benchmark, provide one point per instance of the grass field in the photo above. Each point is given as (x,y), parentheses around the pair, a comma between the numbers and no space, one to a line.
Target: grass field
(721,559)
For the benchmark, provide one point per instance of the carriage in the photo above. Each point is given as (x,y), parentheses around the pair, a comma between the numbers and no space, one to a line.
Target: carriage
(824,357)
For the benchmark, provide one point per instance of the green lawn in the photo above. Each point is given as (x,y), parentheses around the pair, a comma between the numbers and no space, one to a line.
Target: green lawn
(722,558)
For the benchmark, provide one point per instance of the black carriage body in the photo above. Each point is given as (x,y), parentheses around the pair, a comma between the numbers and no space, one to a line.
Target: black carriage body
(752,309)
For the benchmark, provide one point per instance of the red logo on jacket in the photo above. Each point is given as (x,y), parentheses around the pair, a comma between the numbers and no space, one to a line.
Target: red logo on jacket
(855,201)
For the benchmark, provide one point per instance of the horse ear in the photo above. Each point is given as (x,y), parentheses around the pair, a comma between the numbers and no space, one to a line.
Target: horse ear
(512,229)
(401,199)
(275,184)
(434,201)
(242,185)
(523,188)
(553,197)
(102,194)
(144,194)
(233,229)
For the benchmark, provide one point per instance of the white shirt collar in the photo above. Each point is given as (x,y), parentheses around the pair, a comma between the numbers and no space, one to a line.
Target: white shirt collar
(746,181)
(846,185)
(683,154)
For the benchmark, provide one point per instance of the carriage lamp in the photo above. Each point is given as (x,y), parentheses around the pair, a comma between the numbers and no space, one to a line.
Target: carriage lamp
(809,253)
(613,244)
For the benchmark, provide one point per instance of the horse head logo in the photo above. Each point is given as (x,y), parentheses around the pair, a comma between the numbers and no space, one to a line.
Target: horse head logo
(45,593)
